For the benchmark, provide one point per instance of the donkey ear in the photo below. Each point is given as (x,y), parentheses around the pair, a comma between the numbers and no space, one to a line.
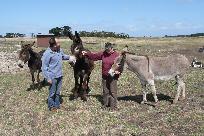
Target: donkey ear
(77,35)
(22,44)
(30,44)
(125,50)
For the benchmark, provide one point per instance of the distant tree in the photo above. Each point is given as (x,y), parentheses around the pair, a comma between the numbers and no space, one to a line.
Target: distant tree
(9,35)
(20,35)
(56,31)
(61,31)
(197,34)
(103,34)
(66,30)
(191,35)
(12,35)
(1,36)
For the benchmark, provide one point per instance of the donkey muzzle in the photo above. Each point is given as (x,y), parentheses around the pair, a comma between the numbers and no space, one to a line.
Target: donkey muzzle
(20,63)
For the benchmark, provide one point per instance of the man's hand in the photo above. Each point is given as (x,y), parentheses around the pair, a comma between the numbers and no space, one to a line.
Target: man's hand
(72,59)
(111,72)
(49,81)
(117,72)
(84,53)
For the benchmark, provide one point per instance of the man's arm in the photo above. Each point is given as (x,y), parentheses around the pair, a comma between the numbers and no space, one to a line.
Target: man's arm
(72,59)
(93,56)
(45,66)
(64,56)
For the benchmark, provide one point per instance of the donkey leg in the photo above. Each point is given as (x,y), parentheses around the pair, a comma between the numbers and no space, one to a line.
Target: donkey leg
(83,84)
(32,74)
(76,88)
(179,87)
(144,94)
(183,86)
(153,89)
(177,94)
(183,91)
(154,93)
(88,90)
(38,78)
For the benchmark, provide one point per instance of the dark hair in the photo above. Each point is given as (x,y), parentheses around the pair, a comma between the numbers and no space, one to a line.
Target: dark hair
(52,42)
(108,45)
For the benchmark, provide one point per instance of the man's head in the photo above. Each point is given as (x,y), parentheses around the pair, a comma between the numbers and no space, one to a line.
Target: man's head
(54,44)
(108,47)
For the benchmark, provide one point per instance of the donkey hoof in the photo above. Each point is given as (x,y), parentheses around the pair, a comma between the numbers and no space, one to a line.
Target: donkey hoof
(175,101)
(76,95)
(88,90)
(84,99)
(143,102)
(182,98)
(156,103)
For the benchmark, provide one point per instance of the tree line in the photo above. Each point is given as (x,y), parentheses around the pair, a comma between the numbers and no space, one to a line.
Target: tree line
(66,30)
(12,35)
(191,35)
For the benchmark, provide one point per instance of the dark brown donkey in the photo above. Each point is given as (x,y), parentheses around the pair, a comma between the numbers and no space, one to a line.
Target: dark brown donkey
(33,58)
(82,67)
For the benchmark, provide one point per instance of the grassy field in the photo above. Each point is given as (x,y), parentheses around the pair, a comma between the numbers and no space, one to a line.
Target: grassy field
(23,107)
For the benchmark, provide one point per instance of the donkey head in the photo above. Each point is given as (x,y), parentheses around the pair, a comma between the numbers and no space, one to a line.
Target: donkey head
(77,45)
(24,54)
(119,63)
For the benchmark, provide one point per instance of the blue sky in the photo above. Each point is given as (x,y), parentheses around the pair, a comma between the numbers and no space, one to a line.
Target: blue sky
(135,17)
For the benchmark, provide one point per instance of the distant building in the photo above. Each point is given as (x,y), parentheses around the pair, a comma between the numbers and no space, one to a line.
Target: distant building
(43,39)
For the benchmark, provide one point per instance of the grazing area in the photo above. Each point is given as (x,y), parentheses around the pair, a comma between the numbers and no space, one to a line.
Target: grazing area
(23,107)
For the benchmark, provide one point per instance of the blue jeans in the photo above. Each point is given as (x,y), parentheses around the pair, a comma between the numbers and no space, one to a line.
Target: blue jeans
(54,93)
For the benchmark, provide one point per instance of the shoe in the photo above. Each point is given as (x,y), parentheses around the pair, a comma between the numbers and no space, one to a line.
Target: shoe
(114,109)
(104,107)
(53,109)
(63,108)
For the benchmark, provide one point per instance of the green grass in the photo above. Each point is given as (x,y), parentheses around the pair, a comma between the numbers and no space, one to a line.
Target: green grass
(23,111)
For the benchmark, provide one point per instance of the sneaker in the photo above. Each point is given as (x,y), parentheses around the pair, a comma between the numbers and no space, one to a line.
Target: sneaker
(53,109)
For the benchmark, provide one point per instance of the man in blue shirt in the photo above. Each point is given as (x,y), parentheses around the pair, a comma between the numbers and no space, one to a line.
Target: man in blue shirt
(52,71)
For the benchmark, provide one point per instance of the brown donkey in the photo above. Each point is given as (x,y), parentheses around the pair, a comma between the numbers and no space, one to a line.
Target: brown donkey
(33,58)
(82,67)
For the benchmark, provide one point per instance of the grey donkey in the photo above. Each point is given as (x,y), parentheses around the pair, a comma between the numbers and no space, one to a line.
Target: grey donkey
(148,69)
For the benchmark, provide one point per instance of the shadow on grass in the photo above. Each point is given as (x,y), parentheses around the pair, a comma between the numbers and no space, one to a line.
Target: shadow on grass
(73,97)
(98,97)
(37,86)
(138,98)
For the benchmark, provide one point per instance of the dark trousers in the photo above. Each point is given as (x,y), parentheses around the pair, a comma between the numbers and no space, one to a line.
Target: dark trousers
(110,92)
(54,93)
